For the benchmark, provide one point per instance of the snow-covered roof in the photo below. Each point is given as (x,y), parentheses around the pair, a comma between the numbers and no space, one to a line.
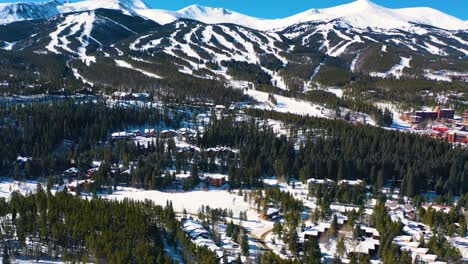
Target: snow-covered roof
(122,134)
(364,247)
(215,176)
(272,211)
(350,182)
(370,230)
(72,170)
(23,159)
(319,181)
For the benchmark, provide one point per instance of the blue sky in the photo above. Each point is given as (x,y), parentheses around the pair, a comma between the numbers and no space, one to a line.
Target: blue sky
(283,8)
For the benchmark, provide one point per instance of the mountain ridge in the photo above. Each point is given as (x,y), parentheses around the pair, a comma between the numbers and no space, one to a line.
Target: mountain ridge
(358,14)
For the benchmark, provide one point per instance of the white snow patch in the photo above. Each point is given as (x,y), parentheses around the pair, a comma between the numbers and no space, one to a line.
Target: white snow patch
(124,64)
(396,71)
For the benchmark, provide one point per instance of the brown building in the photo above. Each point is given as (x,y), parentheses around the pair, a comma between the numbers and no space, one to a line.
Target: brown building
(410,117)
(445,113)
(216,180)
(465,117)
(424,115)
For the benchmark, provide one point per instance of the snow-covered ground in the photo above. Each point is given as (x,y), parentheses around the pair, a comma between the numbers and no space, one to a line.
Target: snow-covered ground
(190,201)
(124,64)
(289,105)
(396,71)
(7,187)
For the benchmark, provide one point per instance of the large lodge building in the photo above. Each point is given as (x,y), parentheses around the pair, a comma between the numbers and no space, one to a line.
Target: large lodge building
(421,116)
(457,133)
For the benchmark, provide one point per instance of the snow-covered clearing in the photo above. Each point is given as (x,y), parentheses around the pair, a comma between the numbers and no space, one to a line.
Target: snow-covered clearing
(289,105)
(78,76)
(396,71)
(384,48)
(190,201)
(436,77)
(8,45)
(336,91)
(7,187)
(316,71)
(352,67)
(124,64)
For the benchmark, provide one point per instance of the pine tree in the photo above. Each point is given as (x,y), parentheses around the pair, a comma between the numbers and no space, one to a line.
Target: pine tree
(6,255)
(312,254)
(245,244)
(340,247)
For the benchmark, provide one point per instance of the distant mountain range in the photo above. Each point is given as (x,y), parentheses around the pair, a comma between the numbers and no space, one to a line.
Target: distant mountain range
(360,14)
(320,45)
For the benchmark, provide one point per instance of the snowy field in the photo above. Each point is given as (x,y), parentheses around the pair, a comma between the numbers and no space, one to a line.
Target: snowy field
(190,201)
(7,187)
(396,71)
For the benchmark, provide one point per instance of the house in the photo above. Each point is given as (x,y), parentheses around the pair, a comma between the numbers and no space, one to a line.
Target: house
(90,173)
(150,132)
(122,135)
(71,172)
(184,134)
(272,213)
(392,205)
(319,181)
(368,246)
(73,185)
(136,132)
(445,113)
(314,231)
(140,96)
(121,95)
(371,232)
(22,160)
(168,133)
(200,236)
(350,182)
(216,180)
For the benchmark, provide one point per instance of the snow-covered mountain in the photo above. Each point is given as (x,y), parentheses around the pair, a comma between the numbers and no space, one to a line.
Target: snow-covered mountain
(358,14)
(126,6)
(312,46)
(12,12)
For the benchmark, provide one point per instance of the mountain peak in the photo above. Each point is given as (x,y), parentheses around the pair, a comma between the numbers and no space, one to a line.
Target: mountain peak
(198,9)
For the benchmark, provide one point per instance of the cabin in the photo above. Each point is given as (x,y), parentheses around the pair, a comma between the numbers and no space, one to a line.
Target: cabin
(168,133)
(272,213)
(122,135)
(216,180)
(151,132)
(71,172)
(121,96)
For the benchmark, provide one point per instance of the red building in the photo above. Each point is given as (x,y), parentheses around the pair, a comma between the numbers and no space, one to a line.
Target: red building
(465,117)
(460,137)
